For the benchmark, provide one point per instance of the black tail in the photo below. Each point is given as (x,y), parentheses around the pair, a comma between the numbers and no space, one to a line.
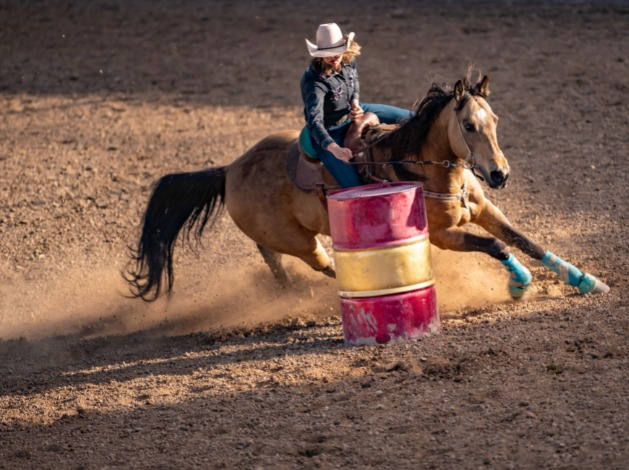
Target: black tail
(179,201)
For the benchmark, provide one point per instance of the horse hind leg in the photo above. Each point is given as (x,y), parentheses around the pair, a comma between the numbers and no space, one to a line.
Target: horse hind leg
(329,271)
(273,259)
(318,260)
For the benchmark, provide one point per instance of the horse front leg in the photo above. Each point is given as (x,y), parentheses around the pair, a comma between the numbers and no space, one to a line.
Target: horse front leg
(457,239)
(495,222)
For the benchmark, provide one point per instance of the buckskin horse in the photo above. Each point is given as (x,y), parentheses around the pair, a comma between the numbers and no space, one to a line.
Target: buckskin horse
(448,145)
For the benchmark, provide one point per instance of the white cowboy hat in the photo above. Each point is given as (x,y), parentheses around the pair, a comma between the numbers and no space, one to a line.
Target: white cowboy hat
(330,41)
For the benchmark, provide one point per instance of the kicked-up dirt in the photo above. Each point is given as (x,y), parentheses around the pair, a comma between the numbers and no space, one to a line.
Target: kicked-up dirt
(99,99)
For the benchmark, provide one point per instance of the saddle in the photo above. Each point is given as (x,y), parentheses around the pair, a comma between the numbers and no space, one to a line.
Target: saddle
(309,174)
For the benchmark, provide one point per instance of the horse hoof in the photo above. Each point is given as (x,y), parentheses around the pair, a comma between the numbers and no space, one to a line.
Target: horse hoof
(520,277)
(518,291)
(590,285)
(329,271)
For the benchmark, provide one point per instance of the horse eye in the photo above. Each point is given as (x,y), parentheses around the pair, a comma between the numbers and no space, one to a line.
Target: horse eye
(469,127)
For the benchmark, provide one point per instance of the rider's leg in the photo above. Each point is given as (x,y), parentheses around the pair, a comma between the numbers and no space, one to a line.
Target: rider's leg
(386,113)
(345,175)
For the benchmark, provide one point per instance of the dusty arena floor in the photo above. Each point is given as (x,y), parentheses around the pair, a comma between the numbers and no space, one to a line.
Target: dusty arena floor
(101,98)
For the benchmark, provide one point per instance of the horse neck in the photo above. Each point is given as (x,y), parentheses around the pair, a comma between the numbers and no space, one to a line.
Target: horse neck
(435,148)
(438,148)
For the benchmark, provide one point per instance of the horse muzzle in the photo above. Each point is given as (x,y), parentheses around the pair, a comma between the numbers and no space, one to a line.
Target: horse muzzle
(498,179)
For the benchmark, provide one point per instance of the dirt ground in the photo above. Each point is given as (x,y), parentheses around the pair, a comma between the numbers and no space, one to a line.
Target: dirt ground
(98,99)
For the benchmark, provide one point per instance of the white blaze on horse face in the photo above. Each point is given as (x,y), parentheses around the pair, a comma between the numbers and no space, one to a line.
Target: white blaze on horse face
(481,114)
(482,142)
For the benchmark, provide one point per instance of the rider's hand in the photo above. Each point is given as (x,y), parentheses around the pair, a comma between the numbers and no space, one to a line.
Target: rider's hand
(339,152)
(356,112)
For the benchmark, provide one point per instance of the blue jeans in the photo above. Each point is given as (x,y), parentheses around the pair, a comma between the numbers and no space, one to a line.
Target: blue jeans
(347,175)
(386,113)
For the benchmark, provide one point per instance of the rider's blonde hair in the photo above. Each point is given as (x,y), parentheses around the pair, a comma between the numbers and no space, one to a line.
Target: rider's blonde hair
(350,54)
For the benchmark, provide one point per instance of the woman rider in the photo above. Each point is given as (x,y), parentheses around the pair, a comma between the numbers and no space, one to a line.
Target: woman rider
(330,91)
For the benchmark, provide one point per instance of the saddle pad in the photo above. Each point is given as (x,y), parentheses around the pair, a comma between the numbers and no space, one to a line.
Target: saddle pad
(306,144)
(307,175)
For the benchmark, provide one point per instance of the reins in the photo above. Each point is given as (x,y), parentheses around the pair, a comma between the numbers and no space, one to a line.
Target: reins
(469,163)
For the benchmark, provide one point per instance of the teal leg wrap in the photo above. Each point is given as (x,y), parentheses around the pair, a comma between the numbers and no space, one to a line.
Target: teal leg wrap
(520,278)
(569,274)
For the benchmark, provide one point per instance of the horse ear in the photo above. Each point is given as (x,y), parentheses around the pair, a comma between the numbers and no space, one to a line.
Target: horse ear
(459,91)
(483,86)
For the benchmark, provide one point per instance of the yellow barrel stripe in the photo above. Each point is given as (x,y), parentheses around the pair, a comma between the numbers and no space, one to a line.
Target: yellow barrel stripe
(385,268)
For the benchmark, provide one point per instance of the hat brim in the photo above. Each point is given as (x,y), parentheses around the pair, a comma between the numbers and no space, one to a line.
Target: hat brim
(314,51)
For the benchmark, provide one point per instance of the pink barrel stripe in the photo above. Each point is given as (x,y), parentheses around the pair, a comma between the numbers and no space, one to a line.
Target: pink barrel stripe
(377,215)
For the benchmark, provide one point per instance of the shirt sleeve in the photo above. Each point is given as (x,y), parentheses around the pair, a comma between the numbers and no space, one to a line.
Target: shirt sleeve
(356,94)
(314,97)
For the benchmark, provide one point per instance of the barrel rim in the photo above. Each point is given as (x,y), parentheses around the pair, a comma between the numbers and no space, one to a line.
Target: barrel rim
(339,194)
(384,292)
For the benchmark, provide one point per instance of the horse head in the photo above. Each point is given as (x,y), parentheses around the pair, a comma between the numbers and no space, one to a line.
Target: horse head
(472,132)
(451,128)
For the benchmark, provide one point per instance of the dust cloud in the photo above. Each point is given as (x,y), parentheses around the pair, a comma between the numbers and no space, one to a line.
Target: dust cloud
(87,301)
(468,280)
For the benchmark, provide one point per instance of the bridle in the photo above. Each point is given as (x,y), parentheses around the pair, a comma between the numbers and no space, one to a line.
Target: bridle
(469,163)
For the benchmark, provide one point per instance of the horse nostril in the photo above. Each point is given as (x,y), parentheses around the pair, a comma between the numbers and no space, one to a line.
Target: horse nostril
(499,178)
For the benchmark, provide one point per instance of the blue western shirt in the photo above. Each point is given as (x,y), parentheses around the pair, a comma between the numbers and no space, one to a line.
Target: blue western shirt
(327,100)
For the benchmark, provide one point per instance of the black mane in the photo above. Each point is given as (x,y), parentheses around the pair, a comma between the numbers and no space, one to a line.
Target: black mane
(411,135)
(409,138)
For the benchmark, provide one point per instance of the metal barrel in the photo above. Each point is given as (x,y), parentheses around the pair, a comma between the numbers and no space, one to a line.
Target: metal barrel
(383,263)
